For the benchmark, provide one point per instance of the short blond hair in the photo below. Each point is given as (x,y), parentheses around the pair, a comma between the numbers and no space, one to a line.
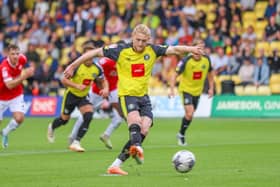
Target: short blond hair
(141,28)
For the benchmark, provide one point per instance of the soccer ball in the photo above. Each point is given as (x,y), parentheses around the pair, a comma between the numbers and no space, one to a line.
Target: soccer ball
(183,161)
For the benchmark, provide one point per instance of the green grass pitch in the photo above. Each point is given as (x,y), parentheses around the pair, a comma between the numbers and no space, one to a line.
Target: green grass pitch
(229,153)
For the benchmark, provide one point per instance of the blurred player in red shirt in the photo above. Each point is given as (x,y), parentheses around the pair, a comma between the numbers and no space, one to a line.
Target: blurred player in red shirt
(110,73)
(12,74)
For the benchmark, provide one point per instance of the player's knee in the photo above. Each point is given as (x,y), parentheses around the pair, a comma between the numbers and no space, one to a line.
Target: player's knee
(87,117)
(63,121)
(19,119)
(189,115)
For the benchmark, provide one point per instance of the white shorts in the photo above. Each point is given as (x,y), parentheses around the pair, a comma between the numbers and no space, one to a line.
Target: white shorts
(97,100)
(14,105)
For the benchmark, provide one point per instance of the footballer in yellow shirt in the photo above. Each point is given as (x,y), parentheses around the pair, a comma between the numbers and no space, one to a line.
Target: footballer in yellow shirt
(193,70)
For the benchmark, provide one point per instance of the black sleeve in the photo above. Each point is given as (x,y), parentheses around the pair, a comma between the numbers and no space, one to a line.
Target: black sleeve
(160,50)
(210,64)
(113,51)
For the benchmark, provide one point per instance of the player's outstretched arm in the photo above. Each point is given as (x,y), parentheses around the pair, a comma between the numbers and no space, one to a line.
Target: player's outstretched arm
(183,49)
(26,73)
(86,56)
(68,83)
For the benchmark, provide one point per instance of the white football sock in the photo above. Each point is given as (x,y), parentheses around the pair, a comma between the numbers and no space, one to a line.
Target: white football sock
(115,123)
(117,163)
(12,125)
(76,127)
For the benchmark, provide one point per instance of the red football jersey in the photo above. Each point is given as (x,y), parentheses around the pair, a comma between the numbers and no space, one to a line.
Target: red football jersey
(8,72)
(110,73)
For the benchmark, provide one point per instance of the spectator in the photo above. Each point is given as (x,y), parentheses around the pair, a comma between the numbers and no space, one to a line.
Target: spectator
(82,25)
(161,12)
(152,21)
(136,19)
(261,73)
(4,14)
(189,12)
(22,42)
(129,12)
(271,29)
(246,72)
(25,23)
(236,22)
(221,16)
(173,36)
(73,54)
(270,9)
(233,62)
(235,10)
(175,13)
(249,37)
(95,9)
(235,36)
(220,62)
(247,4)
(113,25)
(12,28)
(274,62)
(41,8)
(32,54)
(185,33)
(200,21)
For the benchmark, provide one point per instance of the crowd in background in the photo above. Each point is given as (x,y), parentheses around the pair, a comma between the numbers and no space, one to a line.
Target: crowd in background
(50,33)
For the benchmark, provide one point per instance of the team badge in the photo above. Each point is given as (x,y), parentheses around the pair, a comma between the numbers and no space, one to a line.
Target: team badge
(147,57)
(203,66)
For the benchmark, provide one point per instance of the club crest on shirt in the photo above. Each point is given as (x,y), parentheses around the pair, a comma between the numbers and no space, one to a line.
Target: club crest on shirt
(203,66)
(5,72)
(146,57)
(94,75)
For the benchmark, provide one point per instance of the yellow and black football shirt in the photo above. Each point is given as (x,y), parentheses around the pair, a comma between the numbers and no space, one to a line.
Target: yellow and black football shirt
(134,69)
(193,74)
(85,75)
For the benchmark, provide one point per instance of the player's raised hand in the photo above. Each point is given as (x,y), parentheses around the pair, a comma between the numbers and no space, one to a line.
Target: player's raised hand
(28,72)
(199,49)
(68,72)
(104,92)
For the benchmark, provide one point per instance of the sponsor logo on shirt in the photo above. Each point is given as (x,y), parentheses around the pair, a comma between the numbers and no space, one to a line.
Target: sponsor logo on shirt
(137,70)
(197,75)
